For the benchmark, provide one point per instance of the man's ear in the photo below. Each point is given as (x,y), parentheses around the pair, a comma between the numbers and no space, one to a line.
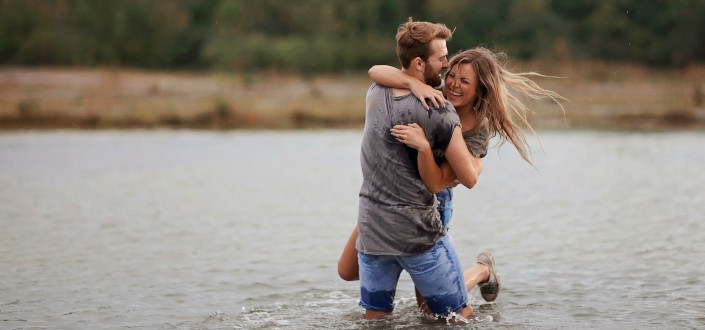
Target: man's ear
(418,64)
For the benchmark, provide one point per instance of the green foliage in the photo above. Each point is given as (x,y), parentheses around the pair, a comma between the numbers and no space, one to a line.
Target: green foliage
(89,32)
(335,35)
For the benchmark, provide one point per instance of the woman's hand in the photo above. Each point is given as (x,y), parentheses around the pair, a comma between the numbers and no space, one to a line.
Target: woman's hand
(411,135)
(423,92)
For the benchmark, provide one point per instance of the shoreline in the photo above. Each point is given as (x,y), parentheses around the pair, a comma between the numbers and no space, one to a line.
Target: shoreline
(604,97)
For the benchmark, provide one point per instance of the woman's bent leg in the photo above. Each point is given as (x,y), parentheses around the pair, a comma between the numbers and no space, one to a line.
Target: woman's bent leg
(484,275)
(348,268)
(476,274)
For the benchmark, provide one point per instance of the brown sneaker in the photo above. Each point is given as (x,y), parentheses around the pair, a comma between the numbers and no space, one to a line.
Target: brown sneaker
(489,288)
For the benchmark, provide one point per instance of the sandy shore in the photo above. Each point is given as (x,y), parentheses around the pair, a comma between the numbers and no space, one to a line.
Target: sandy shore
(601,96)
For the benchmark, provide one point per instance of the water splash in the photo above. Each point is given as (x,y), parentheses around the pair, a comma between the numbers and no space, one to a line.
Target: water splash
(454,319)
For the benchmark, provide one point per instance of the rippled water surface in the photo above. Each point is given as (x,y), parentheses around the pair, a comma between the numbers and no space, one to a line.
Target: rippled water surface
(213,230)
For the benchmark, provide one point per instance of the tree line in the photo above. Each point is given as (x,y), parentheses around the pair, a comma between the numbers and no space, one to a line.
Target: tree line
(310,36)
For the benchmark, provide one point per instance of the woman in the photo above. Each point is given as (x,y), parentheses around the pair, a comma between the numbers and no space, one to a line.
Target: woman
(480,88)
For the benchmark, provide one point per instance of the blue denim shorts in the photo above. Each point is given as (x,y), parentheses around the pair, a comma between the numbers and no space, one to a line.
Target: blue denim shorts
(445,206)
(436,273)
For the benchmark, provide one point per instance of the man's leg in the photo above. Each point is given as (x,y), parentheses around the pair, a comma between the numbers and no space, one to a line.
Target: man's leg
(372,314)
(445,210)
(473,276)
(421,303)
(378,284)
(439,278)
(423,307)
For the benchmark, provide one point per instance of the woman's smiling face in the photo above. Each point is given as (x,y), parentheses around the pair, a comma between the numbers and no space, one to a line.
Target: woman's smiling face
(461,86)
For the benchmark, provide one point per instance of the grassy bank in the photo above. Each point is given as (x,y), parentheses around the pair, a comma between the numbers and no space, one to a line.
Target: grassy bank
(601,96)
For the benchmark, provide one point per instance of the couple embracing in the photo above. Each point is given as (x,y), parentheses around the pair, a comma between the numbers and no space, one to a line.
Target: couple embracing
(417,144)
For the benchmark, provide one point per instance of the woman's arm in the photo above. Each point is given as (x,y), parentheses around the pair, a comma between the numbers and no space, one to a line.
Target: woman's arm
(434,177)
(466,167)
(392,77)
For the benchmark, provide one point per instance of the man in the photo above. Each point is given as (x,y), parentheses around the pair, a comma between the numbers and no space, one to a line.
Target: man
(399,227)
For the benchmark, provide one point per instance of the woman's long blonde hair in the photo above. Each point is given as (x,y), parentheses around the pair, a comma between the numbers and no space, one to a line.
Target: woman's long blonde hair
(496,99)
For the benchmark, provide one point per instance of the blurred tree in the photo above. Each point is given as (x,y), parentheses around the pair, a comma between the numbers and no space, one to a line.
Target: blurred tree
(17,22)
(335,35)
(281,34)
(533,30)
(474,22)
(89,32)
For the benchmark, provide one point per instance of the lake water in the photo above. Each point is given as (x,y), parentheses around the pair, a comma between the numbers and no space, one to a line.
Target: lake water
(242,230)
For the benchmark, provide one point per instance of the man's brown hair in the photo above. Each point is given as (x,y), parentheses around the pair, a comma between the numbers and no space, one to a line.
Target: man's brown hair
(413,39)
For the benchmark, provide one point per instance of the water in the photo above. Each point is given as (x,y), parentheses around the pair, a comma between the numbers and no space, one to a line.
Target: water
(242,230)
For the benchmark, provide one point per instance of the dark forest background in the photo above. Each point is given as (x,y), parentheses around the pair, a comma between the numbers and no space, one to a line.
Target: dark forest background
(314,36)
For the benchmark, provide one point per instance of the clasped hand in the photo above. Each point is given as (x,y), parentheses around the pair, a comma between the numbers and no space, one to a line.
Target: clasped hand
(411,135)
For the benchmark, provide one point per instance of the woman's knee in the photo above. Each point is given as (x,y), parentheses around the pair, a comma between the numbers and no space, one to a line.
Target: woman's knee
(347,273)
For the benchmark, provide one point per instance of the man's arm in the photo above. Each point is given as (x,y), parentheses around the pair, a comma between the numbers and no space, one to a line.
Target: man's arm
(466,167)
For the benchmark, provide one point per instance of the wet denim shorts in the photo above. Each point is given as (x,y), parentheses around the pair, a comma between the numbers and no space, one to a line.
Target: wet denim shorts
(445,206)
(436,273)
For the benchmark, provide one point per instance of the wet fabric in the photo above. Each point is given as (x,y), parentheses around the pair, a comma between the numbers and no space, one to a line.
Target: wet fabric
(379,275)
(445,206)
(397,214)
(477,139)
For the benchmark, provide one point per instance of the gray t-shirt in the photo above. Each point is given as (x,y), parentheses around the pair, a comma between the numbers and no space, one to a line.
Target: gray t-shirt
(477,139)
(397,214)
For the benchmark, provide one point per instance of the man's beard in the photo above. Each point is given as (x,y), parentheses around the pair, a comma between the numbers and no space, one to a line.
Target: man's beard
(431,78)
